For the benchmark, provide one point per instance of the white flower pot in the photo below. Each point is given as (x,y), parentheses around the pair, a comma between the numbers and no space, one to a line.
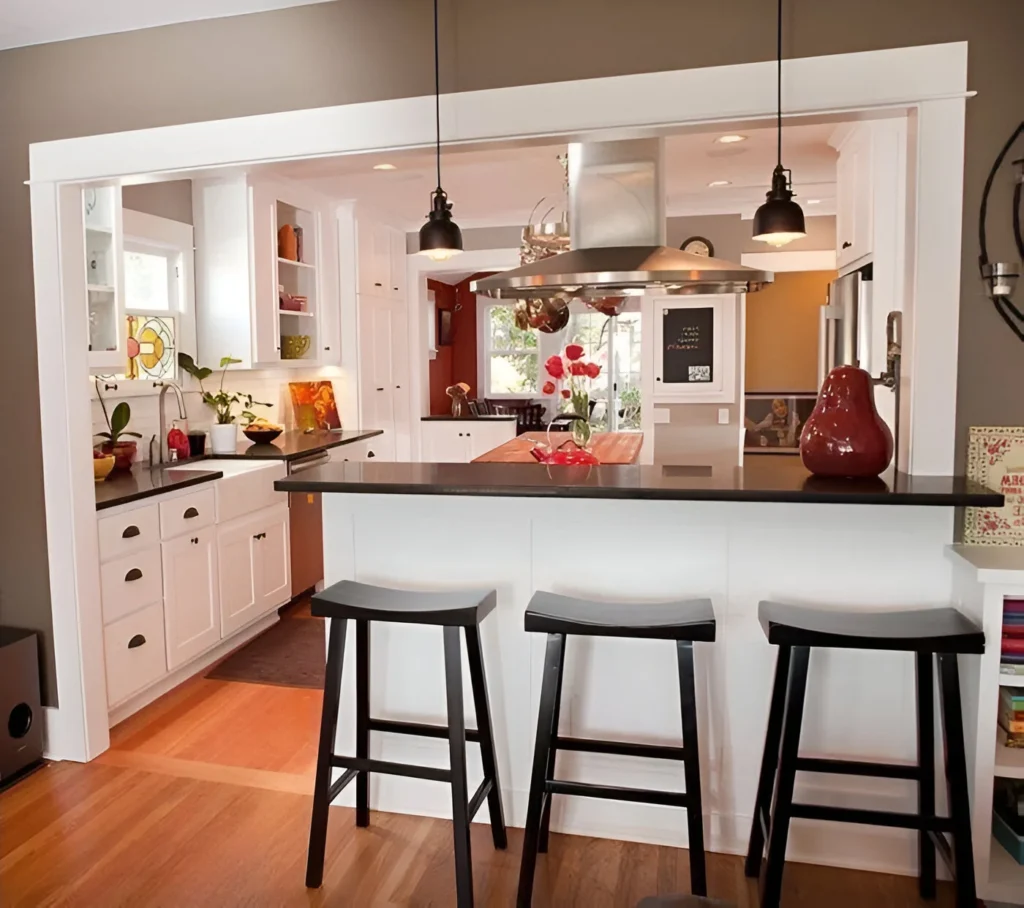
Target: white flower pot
(223,438)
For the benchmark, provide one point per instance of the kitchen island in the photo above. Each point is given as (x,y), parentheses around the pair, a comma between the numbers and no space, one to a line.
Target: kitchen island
(650,533)
(607,447)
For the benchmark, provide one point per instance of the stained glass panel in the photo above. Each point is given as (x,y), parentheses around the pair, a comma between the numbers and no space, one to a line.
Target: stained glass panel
(151,348)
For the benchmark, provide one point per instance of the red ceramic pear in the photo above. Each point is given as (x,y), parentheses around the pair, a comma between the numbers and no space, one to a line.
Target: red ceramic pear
(845,436)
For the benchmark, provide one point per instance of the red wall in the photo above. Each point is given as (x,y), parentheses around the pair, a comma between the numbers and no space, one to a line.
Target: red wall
(458,361)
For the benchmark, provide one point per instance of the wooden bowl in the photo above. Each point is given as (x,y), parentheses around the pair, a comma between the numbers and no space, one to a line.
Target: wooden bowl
(261,436)
(102,467)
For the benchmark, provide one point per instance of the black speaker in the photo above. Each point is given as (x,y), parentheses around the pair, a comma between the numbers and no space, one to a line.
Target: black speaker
(21,713)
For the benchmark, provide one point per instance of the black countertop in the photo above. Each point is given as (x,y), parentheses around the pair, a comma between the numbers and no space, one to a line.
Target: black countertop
(296,444)
(488,417)
(122,487)
(763,479)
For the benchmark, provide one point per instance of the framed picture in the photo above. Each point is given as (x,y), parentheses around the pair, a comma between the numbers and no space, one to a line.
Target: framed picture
(773,421)
(444,327)
(995,458)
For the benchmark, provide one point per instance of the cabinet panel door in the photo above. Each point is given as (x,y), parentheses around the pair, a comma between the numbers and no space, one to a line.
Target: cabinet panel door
(239,599)
(273,561)
(191,595)
(329,305)
(263,261)
(445,441)
(399,374)
(486,435)
(398,263)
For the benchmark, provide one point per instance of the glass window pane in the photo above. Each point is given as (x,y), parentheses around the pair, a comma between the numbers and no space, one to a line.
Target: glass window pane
(503,333)
(513,373)
(146,283)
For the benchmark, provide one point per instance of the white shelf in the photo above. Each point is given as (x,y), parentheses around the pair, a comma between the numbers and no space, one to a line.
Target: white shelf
(282,261)
(1011,680)
(1005,876)
(98,228)
(313,315)
(1009,760)
(100,288)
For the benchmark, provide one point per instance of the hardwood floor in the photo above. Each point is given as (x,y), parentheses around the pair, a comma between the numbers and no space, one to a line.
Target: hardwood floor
(202,801)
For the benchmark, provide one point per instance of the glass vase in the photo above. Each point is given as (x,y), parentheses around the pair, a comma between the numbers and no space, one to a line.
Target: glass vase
(581,432)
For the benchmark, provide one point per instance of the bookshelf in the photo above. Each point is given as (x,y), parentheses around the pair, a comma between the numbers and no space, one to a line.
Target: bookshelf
(297,276)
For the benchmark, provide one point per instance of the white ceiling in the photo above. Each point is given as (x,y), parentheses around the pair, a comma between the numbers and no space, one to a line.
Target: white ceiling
(24,22)
(501,186)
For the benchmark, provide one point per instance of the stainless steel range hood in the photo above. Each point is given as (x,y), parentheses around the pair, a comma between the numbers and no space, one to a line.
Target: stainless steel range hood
(617,223)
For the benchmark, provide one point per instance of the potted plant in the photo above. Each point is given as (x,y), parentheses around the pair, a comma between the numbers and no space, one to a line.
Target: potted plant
(224,433)
(571,368)
(115,444)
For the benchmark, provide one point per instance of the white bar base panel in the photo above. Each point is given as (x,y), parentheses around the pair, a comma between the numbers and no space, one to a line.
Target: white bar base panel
(860,705)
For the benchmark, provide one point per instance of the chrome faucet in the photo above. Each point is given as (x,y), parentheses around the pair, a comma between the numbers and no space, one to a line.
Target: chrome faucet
(167,385)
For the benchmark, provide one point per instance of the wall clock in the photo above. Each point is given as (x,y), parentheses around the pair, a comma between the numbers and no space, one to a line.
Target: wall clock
(698,245)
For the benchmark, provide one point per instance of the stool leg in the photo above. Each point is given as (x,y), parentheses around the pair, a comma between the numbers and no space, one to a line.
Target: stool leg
(926,767)
(482,704)
(328,729)
(545,817)
(769,765)
(457,755)
(363,720)
(545,733)
(956,779)
(691,768)
(778,829)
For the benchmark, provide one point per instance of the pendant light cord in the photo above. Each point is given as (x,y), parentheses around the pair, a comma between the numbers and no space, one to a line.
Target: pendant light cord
(778,83)
(437,97)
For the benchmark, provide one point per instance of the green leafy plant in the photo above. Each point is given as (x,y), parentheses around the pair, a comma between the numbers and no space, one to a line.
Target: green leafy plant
(117,422)
(221,402)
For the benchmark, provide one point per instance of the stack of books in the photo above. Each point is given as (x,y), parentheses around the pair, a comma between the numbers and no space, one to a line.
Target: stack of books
(1011,715)
(1012,661)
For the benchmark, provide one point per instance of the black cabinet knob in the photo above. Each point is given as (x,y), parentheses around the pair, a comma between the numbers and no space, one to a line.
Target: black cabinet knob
(136,641)
(130,532)
(328,349)
(377,284)
(657,379)
(370,454)
(194,540)
(847,244)
(380,389)
(133,575)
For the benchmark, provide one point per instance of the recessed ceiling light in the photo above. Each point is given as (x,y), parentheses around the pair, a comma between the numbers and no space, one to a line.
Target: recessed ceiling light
(730,139)
(813,202)
(384,167)
(714,183)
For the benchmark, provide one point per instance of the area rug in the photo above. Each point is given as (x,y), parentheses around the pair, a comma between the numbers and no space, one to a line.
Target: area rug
(292,653)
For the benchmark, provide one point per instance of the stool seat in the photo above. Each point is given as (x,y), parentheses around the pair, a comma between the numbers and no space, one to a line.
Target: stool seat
(688,619)
(929,630)
(452,608)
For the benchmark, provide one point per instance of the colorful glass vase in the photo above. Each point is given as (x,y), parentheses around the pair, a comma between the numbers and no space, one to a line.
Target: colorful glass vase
(845,436)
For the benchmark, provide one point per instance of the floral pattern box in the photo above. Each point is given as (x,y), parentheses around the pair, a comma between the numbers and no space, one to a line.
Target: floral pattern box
(995,458)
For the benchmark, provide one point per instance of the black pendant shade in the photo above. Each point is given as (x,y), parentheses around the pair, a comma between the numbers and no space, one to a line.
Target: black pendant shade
(440,237)
(779,220)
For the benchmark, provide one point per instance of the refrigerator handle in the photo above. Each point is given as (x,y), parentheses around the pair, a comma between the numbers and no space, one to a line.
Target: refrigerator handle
(826,340)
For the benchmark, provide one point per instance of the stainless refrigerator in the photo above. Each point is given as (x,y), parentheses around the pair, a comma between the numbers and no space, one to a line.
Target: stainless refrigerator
(844,328)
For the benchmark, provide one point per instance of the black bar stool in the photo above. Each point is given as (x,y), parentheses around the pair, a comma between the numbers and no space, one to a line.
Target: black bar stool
(942,632)
(453,611)
(558,616)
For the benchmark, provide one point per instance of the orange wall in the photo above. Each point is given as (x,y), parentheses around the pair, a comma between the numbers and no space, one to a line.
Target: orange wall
(782,332)
(457,362)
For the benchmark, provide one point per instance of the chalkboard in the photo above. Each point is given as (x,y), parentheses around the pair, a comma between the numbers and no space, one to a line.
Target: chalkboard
(688,336)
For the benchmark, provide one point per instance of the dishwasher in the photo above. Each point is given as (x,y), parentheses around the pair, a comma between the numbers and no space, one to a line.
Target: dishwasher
(306,525)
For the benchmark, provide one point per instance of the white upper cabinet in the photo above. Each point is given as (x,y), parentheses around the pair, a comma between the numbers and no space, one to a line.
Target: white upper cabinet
(854,202)
(398,264)
(381,259)
(266,274)
(99,223)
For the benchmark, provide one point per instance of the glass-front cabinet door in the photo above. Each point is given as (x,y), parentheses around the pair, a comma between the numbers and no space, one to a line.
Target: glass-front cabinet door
(104,277)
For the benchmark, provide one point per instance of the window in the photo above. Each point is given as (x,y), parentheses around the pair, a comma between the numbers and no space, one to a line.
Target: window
(511,355)
(147,284)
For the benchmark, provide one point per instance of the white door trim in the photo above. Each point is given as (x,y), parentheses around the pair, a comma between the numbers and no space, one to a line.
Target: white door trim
(929,81)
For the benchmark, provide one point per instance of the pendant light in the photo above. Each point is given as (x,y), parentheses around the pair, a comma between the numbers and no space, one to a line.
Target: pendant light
(440,237)
(779,220)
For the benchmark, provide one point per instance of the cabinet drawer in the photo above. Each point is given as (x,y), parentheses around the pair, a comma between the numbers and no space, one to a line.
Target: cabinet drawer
(125,533)
(131,582)
(187,514)
(135,653)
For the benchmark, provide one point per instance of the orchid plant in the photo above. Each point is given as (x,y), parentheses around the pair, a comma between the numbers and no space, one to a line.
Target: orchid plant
(577,375)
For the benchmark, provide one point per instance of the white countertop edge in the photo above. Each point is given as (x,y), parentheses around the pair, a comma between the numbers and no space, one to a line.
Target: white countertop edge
(992,563)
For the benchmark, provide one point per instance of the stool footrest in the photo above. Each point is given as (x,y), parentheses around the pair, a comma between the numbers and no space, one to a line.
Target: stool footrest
(388,767)
(943,848)
(338,787)
(613,793)
(621,748)
(858,768)
(871,817)
(478,797)
(421,729)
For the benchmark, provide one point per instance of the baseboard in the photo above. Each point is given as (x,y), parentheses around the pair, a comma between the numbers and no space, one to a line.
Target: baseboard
(168,682)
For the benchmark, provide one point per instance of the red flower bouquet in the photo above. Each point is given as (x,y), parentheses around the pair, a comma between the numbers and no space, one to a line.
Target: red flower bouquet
(572,367)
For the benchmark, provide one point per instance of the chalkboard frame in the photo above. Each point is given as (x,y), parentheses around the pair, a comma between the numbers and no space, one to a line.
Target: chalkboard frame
(725,366)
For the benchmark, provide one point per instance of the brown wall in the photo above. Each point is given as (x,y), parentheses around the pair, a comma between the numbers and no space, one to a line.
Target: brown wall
(352,50)
(440,368)
(782,332)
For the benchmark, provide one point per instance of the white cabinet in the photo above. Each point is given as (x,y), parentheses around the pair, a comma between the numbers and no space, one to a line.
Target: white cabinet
(854,201)
(100,223)
(398,264)
(191,595)
(383,373)
(362,451)
(133,650)
(254,567)
(381,259)
(261,297)
(463,440)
